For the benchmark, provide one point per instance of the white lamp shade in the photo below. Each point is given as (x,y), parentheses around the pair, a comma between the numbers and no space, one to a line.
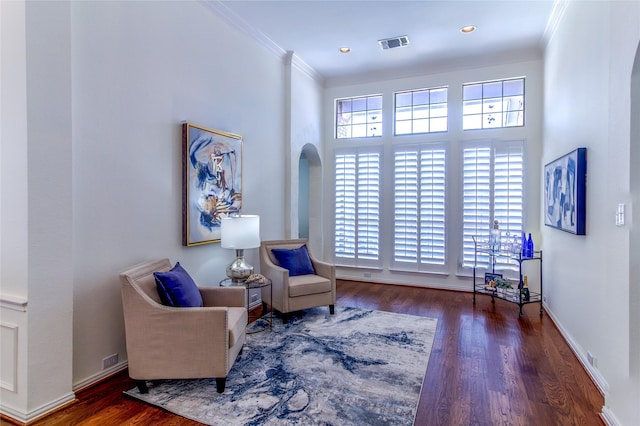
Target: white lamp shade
(240,232)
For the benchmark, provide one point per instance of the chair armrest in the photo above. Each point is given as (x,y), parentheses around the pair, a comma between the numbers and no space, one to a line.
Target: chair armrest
(279,281)
(277,274)
(159,336)
(223,296)
(324,269)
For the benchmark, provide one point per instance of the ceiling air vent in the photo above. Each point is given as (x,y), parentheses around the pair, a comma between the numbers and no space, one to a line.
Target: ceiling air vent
(392,43)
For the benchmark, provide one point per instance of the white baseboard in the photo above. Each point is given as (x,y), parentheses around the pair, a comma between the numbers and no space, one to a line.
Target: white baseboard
(388,280)
(58,403)
(608,417)
(95,378)
(43,410)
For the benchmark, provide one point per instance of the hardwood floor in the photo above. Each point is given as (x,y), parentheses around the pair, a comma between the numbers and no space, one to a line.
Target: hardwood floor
(488,366)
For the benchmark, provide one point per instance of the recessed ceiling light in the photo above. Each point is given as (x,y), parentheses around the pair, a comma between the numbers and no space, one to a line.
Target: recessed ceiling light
(468,29)
(345,49)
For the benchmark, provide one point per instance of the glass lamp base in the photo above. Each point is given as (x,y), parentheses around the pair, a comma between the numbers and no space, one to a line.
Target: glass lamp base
(239,269)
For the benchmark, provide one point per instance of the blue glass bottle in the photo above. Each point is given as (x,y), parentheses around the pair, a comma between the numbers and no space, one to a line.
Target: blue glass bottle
(523,245)
(530,248)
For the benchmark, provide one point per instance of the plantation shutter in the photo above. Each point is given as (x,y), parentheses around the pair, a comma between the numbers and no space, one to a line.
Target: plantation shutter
(419,208)
(493,185)
(357,217)
(509,188)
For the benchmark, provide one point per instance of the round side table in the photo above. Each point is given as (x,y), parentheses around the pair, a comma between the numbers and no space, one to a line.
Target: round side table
(228,282)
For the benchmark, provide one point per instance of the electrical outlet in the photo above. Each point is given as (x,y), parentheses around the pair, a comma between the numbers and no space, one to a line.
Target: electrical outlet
(592,359)
(367,274)
(109,361)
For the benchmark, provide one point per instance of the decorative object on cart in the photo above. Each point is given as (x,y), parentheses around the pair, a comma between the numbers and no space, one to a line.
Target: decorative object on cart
(565,191)
(494,236)
(530,248)
(490,279)
(212,182)
(240,232)
(502,283)
(356,367)
(524,290)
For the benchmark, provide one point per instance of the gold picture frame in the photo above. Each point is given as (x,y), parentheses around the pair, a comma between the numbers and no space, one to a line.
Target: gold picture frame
(212,181)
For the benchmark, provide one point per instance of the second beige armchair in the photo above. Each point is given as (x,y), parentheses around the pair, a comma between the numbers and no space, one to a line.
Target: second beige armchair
(297,290)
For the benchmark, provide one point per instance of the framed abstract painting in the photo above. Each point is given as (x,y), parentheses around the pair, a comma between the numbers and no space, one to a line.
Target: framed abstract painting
(565,192)
(212,182)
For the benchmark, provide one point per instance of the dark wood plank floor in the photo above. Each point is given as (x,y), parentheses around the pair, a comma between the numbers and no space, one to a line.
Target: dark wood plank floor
(488,366)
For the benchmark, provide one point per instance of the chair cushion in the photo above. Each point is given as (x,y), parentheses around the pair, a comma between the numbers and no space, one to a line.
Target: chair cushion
(303,285)
(297,261)
(177,288)
(237,324)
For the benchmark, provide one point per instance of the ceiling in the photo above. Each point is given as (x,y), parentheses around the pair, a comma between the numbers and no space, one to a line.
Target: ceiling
(507,31)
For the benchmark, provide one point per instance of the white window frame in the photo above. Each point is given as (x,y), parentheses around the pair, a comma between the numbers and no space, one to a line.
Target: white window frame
(409,219)
(421,113)
(482,107)
(365,247)
(370,119)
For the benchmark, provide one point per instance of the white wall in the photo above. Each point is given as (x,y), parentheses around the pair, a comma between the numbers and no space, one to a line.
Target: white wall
(13,206)
(37,207)
(588,65)
(454,79)
(139,70)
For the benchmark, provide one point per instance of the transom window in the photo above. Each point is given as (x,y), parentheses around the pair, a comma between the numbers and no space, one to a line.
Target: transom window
(421,111)
(493,104)
(359,117)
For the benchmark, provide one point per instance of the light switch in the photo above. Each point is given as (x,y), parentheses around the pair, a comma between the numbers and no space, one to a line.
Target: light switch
(620,215)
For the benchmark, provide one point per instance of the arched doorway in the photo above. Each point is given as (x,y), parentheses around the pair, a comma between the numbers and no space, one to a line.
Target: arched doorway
(310,198)
(634,234)
(303,196)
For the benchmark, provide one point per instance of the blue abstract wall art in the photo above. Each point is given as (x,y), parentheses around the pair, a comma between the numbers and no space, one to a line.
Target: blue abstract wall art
(212,180)
(565,187)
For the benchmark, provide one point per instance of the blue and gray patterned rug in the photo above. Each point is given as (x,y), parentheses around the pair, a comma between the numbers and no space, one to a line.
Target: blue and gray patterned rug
(357,367)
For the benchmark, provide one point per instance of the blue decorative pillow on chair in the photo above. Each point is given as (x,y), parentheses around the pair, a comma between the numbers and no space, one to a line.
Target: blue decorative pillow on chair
(177,288)
(297,261)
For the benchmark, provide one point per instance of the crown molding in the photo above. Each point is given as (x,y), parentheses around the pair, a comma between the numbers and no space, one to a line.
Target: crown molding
(557,14)
(233,19)
(230,17)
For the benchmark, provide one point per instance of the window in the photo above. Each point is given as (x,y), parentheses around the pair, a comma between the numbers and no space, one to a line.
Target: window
(359,117)
(357,217)
(421,111)
(493,182)
(419,207)
(493,104)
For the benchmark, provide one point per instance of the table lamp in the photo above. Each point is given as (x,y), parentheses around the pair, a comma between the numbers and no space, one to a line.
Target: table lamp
(240,232)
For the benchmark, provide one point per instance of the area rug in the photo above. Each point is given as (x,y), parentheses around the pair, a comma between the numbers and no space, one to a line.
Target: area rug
(357,367)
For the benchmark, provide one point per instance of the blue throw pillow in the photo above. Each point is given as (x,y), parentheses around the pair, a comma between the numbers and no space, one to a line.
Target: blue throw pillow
(177,288)
(297,261)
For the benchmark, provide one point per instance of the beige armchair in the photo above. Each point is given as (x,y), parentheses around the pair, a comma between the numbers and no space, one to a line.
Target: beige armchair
(166,342)
(294,293)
